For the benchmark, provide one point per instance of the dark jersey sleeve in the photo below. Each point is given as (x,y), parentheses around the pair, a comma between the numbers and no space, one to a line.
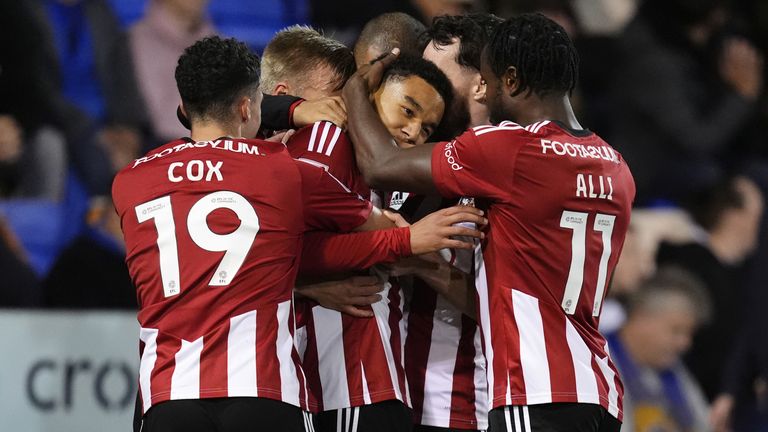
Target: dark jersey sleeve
(277,111)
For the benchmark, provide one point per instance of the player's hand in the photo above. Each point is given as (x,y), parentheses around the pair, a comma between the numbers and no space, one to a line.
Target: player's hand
(418,265)
(282,137)
(435,231)
(350,296)
(396,218)
(329,108)
(368,77)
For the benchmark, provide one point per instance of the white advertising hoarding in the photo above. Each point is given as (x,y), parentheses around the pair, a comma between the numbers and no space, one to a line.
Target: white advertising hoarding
(68,371)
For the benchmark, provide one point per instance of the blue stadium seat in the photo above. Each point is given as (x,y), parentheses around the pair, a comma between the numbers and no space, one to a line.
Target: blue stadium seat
(128,11)
(38,225)
(44,227)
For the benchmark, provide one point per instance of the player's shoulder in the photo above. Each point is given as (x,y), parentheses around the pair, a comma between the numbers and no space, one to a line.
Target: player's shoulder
(225,146)
(507,129)
(502,136)
(318,134)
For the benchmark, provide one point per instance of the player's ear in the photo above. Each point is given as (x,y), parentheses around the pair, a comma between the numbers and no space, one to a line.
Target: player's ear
(281,89)
(244,109)
(509,80)
(478,88)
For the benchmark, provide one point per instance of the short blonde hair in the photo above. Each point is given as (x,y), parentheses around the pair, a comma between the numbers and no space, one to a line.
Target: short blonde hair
(297,51)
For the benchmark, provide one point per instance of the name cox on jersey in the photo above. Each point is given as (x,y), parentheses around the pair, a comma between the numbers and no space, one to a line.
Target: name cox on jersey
(195,171)
(228,145)
(579,150)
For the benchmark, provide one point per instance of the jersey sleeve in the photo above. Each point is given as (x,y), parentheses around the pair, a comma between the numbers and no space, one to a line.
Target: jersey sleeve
(326,145)
(474,165)
(328,204)
(325,252)
(277,111)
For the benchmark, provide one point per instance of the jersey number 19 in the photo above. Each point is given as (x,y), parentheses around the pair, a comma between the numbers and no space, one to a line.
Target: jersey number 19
(235,245)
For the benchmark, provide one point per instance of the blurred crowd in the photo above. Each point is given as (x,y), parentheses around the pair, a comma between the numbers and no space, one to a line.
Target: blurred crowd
(677,86)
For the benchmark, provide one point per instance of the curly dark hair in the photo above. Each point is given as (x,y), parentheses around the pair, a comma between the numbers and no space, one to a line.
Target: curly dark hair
(473,32)
(213,73)
(540,50)
(406,66)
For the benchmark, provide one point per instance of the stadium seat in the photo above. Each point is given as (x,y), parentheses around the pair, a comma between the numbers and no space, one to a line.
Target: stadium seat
(45,227)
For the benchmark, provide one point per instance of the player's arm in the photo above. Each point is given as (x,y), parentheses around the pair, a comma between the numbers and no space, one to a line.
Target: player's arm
(331,253)
(329,206)
(454,285)
(328,253)
(351,296)
(285,112)
(384,165)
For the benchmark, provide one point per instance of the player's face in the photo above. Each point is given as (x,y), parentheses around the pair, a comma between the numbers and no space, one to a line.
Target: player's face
(444,56)
(410,109)
(494,92)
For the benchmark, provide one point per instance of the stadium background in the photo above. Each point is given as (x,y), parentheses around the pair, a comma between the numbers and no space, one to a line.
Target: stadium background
(68,326)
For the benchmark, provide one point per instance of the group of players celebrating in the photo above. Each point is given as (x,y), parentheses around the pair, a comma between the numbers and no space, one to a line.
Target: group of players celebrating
(440,317)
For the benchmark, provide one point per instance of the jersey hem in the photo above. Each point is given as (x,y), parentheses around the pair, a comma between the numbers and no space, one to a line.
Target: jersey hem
(375,397)
(262,393)
(501,401)
(452,423)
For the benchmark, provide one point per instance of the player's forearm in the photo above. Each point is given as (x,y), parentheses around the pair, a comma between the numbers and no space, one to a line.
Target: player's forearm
(327,253)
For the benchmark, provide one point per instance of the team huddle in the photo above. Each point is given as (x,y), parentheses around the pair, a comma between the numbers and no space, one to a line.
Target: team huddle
(428,251)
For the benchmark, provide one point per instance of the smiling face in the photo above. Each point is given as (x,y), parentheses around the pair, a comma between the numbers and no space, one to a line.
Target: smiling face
(410,109)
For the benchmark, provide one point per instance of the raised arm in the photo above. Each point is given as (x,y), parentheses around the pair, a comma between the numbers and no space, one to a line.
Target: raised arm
(384,165)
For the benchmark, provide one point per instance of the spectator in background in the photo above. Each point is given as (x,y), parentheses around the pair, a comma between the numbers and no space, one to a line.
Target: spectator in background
(647,229)
(345,18)
(33,163)
(88,67)
(729,216)
(431,9)
(387,31)
(299,61)
(32,152)
(91,272)
(676,115)
(660,395)
(636,264)
(157,41)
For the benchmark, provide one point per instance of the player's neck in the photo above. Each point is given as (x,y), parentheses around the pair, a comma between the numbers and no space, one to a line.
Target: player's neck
(209,131)
(557,108)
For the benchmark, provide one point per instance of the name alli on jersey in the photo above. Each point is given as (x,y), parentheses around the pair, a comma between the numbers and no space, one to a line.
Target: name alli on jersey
(228,145)
(585,186)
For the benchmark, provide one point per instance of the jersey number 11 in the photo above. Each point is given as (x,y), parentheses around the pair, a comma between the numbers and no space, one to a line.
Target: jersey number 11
(577,221)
